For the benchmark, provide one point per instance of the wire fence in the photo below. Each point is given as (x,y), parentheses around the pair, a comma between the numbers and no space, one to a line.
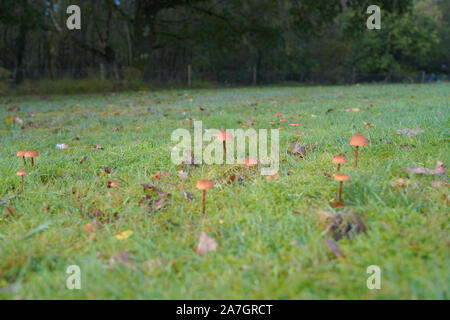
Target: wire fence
(193,77)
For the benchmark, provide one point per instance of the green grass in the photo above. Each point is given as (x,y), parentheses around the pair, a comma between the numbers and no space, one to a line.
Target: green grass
(252,221)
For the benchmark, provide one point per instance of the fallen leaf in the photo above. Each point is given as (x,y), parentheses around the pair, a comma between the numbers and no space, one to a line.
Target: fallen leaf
(13,108)
(124,235)
(334,247)
(182,174)
(18,120)
(400,183)
(206,244)
(98,146)
(438,184)
(9,120)
(113,183)
(120,257)
(11,211)
(410,132)
(297,149)
(342,224)
(188,196)
(439,170)
(83,160)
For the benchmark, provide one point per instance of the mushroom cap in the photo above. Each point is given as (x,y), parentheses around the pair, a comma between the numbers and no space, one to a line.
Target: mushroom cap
(22,172)
(251,162)
(295,124)
(190,119)
(31,154)
(204,184)
(225,136)
(21,153)
(341,177)
(358,140)
(369,124)
(339,159)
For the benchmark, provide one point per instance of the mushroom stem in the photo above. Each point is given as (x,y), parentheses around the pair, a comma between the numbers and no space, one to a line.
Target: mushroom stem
(24,163)
(356,156)
(32,162)
(339,167)
(224,149)
(190,124)
(340,191)
(203,201)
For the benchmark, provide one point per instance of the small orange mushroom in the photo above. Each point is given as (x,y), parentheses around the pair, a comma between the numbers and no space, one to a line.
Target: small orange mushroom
(21,173)
(358,140)
(224,136)
(190,122)
(339,160)
(31,154)
(368,124)
(341,178)
(204,185)
(21,153)
(295,124)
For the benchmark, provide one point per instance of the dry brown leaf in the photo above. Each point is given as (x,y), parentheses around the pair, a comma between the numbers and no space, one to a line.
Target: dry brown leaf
(113,183)
(119,258)
(410,132)
(98,146)
(83,159)
(334,247)
(206,244)
(182,174)
(401,182)
(439,170)
(438,184)
(297,149)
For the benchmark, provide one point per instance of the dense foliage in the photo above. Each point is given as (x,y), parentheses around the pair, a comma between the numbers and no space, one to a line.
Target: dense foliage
(159,39)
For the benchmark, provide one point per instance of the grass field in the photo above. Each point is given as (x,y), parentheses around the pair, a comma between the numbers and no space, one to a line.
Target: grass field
(270,233)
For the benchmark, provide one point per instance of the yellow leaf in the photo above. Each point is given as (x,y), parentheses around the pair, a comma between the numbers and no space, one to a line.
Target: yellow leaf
(9,120)
(124,235)
(355,109)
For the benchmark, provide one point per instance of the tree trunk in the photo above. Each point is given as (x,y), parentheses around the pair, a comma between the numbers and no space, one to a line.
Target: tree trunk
(20,50)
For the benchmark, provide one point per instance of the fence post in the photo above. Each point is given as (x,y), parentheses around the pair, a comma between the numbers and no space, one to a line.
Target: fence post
(189,75)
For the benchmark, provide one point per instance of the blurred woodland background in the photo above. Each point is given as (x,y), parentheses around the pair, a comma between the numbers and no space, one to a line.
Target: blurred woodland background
(131,44)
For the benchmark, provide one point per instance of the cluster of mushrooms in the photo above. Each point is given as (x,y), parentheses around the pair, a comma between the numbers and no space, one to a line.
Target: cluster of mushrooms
(26,154)
(358,140)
